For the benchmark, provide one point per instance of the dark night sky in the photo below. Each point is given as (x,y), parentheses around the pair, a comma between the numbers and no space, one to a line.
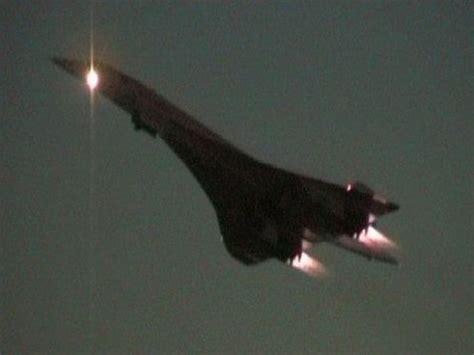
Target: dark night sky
(377,92)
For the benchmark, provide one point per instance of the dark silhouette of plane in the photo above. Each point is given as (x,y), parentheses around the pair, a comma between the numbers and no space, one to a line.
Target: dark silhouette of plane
(263,212)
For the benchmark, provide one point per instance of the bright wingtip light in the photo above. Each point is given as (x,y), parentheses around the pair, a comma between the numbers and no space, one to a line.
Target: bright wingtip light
(92,79)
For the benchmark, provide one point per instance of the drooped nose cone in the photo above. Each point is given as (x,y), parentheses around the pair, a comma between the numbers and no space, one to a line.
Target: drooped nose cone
(108,81)
(74,67)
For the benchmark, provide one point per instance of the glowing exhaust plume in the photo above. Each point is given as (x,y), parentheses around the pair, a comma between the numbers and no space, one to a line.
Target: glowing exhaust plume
(308,265)
(376,240)
(92,79)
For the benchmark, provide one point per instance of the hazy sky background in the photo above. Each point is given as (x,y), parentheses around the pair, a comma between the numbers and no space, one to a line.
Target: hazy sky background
(374,91)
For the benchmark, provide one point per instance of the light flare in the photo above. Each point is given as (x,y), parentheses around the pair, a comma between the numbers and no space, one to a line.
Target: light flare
(92,79)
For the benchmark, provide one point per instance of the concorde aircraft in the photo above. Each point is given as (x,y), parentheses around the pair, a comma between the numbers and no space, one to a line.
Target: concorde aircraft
(263,211)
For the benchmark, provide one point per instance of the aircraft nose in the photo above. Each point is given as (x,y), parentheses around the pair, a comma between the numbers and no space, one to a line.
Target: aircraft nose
(59,61)
(73,67)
